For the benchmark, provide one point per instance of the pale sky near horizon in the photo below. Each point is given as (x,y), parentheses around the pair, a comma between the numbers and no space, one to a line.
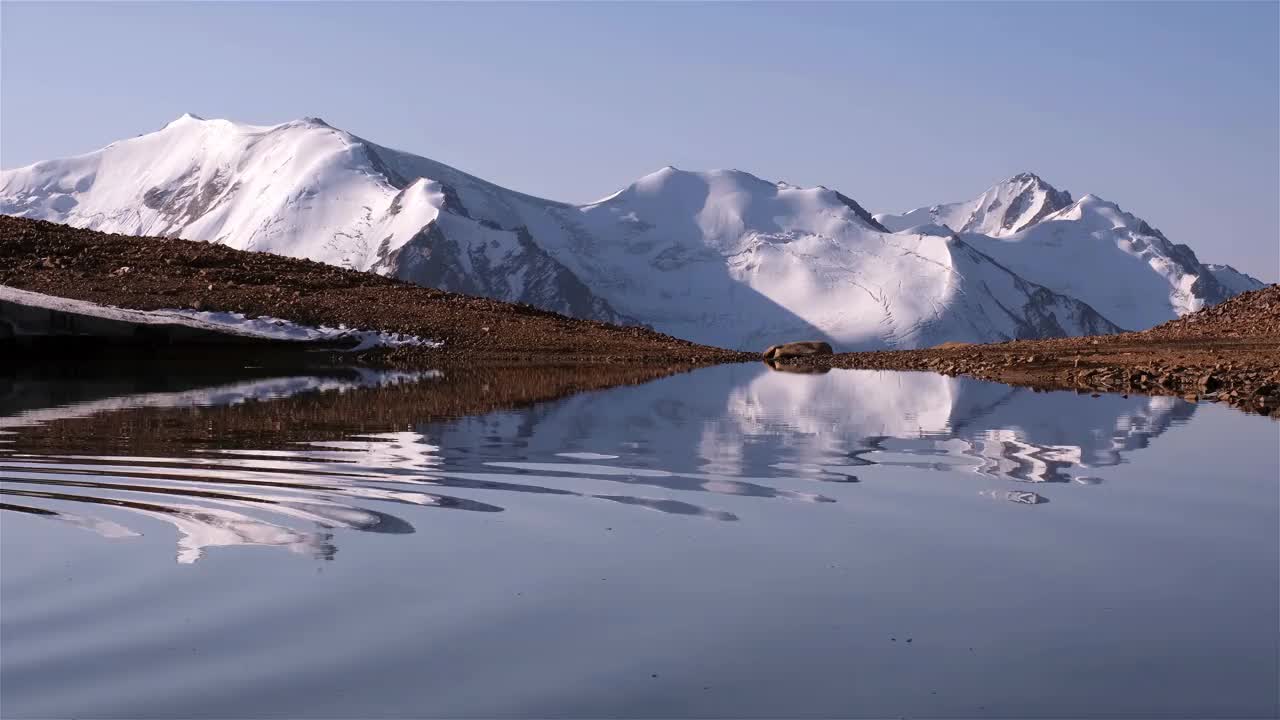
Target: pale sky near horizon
(1170,110)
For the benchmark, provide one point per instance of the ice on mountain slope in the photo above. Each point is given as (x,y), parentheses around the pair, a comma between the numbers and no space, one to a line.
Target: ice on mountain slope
(1088,249)
(1234,281)
(720,257)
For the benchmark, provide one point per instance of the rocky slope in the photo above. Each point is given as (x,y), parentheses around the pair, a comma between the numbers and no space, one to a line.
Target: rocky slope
(158,273)
(1252,314)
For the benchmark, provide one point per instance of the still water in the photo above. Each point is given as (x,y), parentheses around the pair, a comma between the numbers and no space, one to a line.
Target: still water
(727,542)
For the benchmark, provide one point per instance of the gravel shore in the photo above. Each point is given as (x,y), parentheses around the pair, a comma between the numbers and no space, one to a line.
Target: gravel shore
(158,273)
(1228,353)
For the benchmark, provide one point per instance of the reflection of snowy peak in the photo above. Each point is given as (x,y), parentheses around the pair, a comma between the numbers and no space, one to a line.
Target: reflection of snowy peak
(1088,249)
(742,421)
(720,257)
(1010,432)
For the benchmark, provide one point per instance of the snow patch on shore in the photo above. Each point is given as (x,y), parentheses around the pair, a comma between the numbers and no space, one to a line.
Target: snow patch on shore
(230,323)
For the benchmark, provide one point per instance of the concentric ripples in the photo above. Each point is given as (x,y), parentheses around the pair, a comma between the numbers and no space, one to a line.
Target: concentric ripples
(295,499)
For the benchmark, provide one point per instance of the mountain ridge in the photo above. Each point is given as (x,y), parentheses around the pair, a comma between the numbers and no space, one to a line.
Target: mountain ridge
(722,257)
(1087,248)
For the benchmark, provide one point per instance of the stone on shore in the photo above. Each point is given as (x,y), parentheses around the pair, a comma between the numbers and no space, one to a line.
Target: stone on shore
(797,349)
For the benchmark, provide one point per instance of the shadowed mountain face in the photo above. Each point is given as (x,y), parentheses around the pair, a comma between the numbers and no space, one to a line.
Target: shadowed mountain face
(282,460)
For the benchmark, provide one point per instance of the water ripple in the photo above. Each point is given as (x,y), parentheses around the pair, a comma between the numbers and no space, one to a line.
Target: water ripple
(681,447)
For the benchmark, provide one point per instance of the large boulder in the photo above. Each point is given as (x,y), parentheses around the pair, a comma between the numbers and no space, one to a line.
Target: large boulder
(797,349)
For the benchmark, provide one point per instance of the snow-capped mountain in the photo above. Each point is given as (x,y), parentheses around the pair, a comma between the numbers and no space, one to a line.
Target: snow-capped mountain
(303,189)
(1234,281)
(1004,209)
(727,258)
(719,257)
(1088,249)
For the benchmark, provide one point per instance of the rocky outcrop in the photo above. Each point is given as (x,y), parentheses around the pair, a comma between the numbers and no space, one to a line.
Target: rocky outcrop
(797,349)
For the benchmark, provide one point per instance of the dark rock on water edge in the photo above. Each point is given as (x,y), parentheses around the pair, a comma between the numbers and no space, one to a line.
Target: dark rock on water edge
(797,349)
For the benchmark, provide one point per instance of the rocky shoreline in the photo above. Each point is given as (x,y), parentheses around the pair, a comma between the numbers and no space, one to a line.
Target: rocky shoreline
(1227,353)
(145,273)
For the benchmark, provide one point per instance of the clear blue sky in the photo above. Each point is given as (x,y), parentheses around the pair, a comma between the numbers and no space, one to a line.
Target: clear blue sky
(1170,110)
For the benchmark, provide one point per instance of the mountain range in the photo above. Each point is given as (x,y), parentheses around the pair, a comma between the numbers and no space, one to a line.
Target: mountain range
(720,257)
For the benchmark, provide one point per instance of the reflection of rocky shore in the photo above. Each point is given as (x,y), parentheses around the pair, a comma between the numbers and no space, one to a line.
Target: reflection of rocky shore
(287,461)
(265,460)
(114,414)
(40,401)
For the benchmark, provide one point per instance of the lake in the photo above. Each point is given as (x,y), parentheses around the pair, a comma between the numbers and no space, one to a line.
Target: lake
(731,541)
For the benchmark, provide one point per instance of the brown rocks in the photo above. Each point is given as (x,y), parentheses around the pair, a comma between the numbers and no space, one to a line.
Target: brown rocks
(56,259)
(1237,362)
(797,350)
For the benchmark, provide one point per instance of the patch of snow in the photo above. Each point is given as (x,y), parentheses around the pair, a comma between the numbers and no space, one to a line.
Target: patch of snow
(230,323)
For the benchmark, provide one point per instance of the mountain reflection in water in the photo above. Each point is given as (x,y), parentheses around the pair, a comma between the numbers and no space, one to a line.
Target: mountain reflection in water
(290,462)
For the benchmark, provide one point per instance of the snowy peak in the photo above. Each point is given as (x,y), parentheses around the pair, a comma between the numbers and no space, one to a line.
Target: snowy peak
(1004,209)
(722,257)
(1014,205)
(185,118)
(1234,281)
(738,261)
(1117,262)
(1090,249)
(305,189)
(728,203)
